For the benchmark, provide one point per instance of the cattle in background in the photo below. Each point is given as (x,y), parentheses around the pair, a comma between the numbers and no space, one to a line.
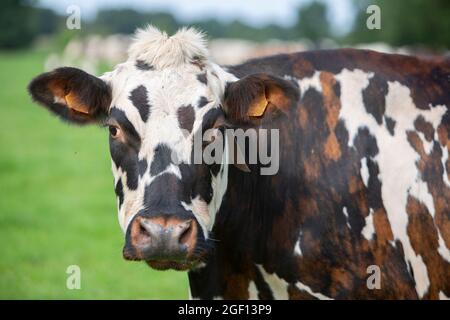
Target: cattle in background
(363,178)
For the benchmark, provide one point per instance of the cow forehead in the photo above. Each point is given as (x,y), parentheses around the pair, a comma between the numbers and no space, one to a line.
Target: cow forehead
(166,104)
(168,89)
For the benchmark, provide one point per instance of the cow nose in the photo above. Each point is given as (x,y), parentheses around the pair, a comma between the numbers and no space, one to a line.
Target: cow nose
(175,234)
(160,238)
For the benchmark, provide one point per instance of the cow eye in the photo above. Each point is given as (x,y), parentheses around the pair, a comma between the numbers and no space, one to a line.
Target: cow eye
(114,131)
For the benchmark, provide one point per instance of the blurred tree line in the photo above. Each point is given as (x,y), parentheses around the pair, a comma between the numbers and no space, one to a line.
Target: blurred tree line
(403,22)
(21,22)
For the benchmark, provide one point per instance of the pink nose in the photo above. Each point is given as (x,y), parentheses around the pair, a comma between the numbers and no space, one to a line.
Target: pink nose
(160,238)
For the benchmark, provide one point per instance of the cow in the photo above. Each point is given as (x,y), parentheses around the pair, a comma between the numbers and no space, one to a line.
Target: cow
(358,208)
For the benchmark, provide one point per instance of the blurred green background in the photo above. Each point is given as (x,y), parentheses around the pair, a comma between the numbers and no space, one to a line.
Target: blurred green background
(57,204)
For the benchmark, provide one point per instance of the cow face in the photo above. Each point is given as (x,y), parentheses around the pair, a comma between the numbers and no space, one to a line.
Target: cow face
(154,105)
(166,202)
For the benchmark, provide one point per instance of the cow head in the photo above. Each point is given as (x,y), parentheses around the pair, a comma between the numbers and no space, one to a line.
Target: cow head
(154,104)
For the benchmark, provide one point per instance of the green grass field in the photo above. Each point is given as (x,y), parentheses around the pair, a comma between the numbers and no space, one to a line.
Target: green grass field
(57,205)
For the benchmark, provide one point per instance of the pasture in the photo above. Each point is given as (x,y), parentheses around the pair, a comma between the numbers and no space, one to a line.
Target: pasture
(57,204)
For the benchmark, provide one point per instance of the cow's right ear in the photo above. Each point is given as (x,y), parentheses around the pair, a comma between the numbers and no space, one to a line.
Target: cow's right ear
(72,94)
(259,96)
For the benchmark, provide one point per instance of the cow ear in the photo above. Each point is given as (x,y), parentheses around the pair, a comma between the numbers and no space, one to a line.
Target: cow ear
(72,94)
(257,96)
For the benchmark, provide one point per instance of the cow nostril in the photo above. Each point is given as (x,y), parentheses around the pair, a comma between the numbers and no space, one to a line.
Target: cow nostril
(148,229)
(142,230)
(186,233)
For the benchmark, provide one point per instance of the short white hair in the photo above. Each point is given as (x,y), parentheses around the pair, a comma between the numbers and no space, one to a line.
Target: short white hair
(156,48)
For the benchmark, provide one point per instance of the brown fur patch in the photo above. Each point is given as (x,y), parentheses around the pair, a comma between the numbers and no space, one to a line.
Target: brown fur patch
(382,227)
(236,286)
(74,103)
(425,127)
(424,239)
(302,117)
(302,68)
(311,168)
(332,149)
(57,89)
(276,95)
(342,280)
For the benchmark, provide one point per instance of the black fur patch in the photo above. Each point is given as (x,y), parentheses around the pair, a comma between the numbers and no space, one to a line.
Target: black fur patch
(164,196)
(390,124)
(202,102)
(202,78)
(161,160)
(139,99)
(374,97)
(210,118)
(374,197)
(365,143)
(142,167)
(197,178)
(144,66)
(125,154)
(337,89)
(186,117)
(119,192)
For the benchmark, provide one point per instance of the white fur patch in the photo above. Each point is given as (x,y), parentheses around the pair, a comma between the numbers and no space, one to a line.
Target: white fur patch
(427,145)
(132,199)
(442,296)
(365,172)
(369,229)
(442,249)
(297,248)
(304,287)
(219,186)
(311,82)
(199,208)
(345,212)
(445,157)
(190,294)
(161,51)
(252,291)
(277,285)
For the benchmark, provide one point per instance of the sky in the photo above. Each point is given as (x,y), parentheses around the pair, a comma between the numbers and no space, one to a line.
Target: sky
(253,12)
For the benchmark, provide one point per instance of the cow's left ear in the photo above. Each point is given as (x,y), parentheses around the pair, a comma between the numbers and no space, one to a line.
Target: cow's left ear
(259,95)
(72,94)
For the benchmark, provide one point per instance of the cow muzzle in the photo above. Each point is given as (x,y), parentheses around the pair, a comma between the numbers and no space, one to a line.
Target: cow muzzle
(164,242)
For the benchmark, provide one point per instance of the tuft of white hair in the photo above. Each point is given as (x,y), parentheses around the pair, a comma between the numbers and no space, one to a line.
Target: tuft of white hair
(161,51)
